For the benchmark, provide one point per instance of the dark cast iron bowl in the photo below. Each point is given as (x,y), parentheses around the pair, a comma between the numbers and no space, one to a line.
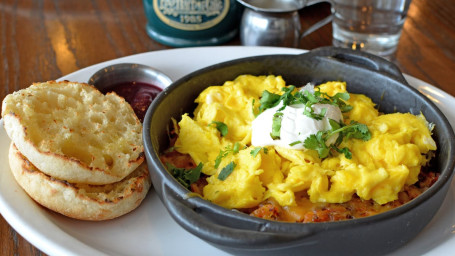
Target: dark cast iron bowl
(241,234)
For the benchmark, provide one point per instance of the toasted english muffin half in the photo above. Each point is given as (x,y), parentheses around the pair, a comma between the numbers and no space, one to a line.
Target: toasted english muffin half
(76,200)
(73,132)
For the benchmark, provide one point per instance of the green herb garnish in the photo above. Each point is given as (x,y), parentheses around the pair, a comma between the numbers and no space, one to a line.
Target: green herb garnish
(317,142)
(221,155)
(169,150)
(254,152)
(353,130)
(221,127)
(226,171)
(236,148)
(270,100)
(184,176)
(341,103)
(225,152)
(295,143)
(253,110)
(313,115)
(276,125)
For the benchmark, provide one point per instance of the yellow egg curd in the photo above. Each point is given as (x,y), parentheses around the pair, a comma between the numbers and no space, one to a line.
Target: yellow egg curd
(378,169)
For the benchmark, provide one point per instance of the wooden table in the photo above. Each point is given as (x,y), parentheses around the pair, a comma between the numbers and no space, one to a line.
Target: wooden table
(44,40)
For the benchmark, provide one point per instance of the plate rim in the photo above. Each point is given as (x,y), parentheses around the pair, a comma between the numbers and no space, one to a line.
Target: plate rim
(48,245)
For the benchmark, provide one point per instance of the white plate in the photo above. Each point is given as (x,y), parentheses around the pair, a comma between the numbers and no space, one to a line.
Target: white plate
(149,230)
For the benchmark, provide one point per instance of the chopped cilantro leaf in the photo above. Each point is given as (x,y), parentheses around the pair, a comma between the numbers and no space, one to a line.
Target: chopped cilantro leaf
(253,110)
(225,152)
(268,100)
(236,148)
(312,98)
(193,175)
(287,96)
(221,155)
(226,171)
(344,151)
(254,152)
(276,125)
(313,114)
(341,103)
(342,95)
(221,127)
(323,112)
(345,108)
(185,177)
(317,142)
(334,124)
(295,143)
(353,130)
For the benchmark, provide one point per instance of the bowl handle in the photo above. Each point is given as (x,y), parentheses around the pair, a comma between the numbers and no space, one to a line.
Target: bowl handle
(361,59)
(188,217)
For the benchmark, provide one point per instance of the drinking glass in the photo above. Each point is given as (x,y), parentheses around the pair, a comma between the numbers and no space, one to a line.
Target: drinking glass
(371,25)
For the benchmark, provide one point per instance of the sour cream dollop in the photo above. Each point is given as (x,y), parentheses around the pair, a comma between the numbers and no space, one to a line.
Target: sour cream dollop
(295,126)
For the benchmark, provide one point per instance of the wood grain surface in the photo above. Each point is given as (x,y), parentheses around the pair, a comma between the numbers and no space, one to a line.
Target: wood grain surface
(44,40)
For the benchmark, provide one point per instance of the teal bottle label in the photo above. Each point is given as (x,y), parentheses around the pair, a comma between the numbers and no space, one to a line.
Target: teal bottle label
(191,15)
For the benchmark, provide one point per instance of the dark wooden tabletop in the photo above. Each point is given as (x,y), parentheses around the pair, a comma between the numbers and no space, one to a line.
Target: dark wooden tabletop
(44,40)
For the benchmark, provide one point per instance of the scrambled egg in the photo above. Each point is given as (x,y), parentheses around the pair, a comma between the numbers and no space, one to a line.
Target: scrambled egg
(378,169)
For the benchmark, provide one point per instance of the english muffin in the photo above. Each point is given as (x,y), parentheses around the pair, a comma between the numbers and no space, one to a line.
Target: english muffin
(73,132)
(80,201)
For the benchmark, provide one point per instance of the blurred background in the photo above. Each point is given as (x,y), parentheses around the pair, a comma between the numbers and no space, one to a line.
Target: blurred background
(43,40)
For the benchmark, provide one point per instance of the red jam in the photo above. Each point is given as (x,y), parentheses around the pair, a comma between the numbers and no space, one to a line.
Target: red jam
(138,95)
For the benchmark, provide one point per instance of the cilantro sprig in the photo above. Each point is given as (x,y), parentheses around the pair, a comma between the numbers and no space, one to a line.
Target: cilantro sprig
(184,176)
(305,97)
(268,100)
(318,141)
